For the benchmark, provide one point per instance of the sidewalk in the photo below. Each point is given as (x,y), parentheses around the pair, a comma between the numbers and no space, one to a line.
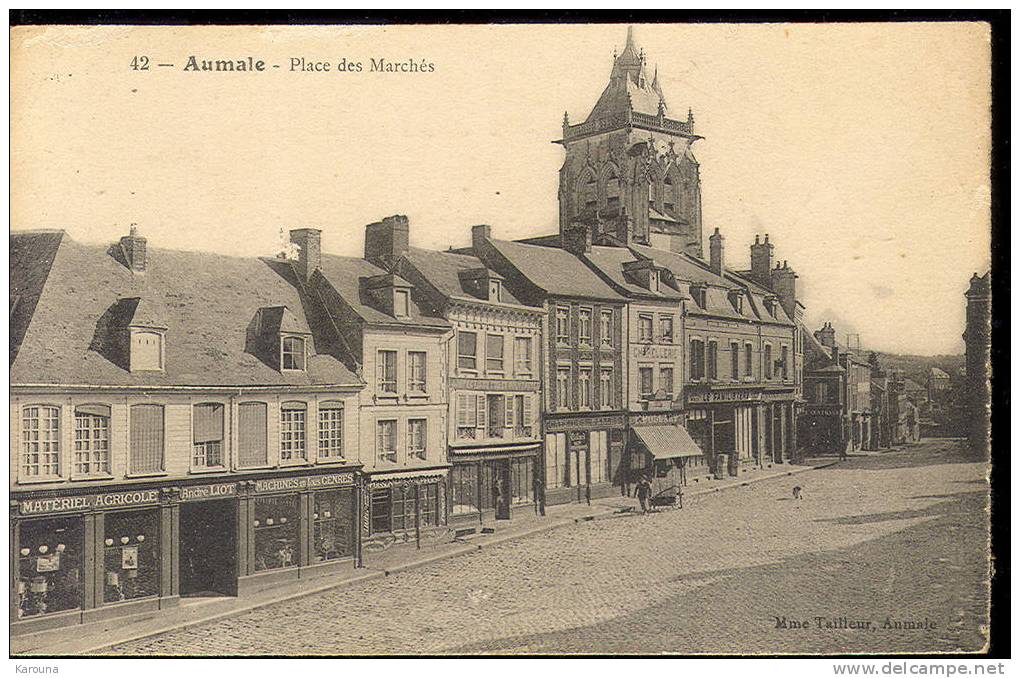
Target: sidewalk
(92,638)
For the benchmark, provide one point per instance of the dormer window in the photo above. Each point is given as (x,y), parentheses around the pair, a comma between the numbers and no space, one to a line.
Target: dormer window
(737,299)
(401,303)
(770,306)
(146,350)
(699,293)
(292,353)
(495,289)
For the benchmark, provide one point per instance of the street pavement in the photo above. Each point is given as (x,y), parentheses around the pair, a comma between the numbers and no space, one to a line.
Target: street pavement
(883,553)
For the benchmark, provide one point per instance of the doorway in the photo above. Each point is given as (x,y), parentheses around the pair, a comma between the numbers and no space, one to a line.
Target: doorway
(503,489)
(208,548)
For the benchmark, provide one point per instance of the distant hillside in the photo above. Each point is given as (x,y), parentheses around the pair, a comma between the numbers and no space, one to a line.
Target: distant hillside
(916,367)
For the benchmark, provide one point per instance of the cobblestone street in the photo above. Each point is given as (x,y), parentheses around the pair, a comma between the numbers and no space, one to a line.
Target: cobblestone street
(901,536)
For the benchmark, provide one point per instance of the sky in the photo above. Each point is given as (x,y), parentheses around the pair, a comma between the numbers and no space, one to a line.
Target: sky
(862,149)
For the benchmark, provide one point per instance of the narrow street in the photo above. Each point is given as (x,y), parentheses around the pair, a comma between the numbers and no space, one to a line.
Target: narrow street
(883,553)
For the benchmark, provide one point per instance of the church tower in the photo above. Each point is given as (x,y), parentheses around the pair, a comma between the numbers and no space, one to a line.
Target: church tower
(630,174)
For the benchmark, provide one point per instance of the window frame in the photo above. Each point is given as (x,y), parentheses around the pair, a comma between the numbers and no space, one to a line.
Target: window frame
(562,313)
(381,378)
(664,320)
(585,391)
(643,336)
(294,406)
(663,369)
(161,336)
(563,387)
(698,368)
(585,317)
(405,296)
(264,432)
(461,356)
(413,383)
(605,392)
(223,449)
(748,359)
(606,328)
(334,436)
(642,371)
(89,440)
(489,336)
(413,452)
(379,457)
(284,353)
(56,442)
(524,367)
(132,472)
(712,359)
(735,360)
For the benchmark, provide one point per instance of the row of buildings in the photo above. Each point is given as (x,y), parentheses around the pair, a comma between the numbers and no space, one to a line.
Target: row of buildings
(190,423)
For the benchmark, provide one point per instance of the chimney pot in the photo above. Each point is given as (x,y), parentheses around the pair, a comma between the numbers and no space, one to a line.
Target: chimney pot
(387,240)
(716,252)
(135,250)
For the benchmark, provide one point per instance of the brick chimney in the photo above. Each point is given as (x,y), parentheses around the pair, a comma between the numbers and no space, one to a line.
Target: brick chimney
(716,252)
(387,240)
(309,242)
(826,336)
(133,247)
(577,239)
(784,284)
(761,262)
(479,234)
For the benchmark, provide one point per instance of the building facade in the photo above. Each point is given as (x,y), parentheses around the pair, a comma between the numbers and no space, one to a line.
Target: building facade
(978,379)
(383,333)
(156,454)
(584,339)
(493,363)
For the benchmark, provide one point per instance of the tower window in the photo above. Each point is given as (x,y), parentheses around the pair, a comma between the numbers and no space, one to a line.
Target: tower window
(613,192)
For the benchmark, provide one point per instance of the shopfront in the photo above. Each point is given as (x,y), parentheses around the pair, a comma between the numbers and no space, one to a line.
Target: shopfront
(78,558)
(492,485)
(584,457)
(404,507)
(662,449)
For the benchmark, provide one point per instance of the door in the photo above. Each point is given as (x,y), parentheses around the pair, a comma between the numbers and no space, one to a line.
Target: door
(503,489)
(208,548)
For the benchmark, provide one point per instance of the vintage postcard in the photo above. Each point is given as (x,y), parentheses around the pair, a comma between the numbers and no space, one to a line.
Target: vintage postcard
(466,339)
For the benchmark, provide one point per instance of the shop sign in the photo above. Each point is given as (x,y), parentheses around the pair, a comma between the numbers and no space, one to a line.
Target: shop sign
(217,491)
(585,424)
(653,351)
(304,482)
(734,395)
(50,563)
(397,482)
(663,418)
(85,503)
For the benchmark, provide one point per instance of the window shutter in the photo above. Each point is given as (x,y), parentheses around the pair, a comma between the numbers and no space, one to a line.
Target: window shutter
(527,411)
(207,423)
(146,438)
(251,432)
(480,409)
(509,406)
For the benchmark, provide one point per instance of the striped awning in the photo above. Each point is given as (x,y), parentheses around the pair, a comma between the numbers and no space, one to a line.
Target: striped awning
(667,441)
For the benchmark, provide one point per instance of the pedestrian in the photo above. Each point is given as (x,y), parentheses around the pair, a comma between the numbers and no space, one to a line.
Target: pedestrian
(643,489)
(679,502)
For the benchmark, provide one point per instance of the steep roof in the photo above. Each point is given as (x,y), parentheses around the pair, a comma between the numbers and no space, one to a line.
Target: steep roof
(939,373)
(629,85)
(443,270)
(207,302)
(554,271)
(610,261)
(31,256)
(345,275)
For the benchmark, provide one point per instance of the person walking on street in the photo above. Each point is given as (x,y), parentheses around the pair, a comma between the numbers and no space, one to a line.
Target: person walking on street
(643,489)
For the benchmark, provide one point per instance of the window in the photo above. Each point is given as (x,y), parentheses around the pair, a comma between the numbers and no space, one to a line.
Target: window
(207,435)
(699,294)
(401,303)
(131,555)
(496,415)
(494,353)
(50,565)
(562,325)
(40,441)
(464,488)
(333,525)
(416,438)
(666,379)
(589,193)
(645,385)
(276,532)
(146,454)
(428,499)
(522,356)
(331,430)
(146,351)
(381,506)
(386,441)
(651,194)
(598,455)
(467,416)
(563,388)
(555,460)
(748,360)
(768,361)
(494,290)
(293,417)
(293,353)
(606,327)
(522,480)
(713,360)
(467,351)
(822,392)
(784,354)
(666,329)
(606,387)
(584,388)
(91,440)
(645,328)
(612,191)
(386,371)
(416,382)
(522,416)
(402,508)
(584,326)
(251,435)
(734,360)
(697,359)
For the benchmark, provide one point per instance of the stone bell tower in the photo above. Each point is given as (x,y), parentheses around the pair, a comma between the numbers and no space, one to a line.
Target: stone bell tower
(629,173)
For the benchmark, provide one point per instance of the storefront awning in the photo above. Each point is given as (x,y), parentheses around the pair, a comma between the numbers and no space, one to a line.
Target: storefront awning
(668,441)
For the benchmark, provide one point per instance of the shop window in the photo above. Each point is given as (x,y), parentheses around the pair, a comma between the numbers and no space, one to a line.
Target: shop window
(292,353)
(131,559)
(333,525)
(293,421)
(598,456)
(381,510)
(393,509)
(331,430)
(207,435)
(91,440)
(276,532)
(487,485)
(40,441)
(416,371)
(429,502)
(146,454)
(467,351)
(464,488)
(522,481)
(386,371)
(50,566)
(417,438)
(251,435)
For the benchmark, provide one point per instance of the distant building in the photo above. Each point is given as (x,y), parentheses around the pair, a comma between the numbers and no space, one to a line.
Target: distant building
(978,340)
(938,383)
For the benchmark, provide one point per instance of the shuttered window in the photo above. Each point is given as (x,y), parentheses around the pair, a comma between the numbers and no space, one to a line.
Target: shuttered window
(146,455)
(251,434)
(467,416)
(207,435)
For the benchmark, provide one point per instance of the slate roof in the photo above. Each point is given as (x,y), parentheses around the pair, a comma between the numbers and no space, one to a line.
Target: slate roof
(555,271)
(610,261)
(207,302)
(31,256)
(345,274)
(443,271)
